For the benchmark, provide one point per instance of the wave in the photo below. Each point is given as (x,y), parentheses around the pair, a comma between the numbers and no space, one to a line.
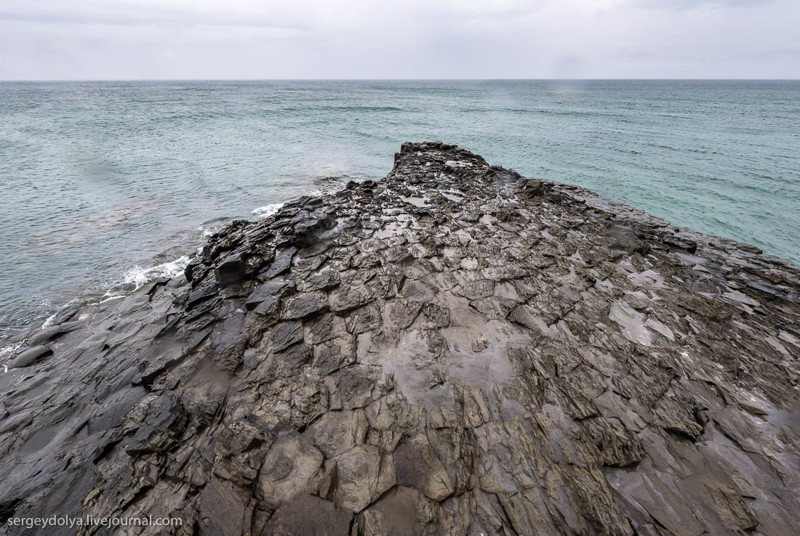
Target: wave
(9,350)
(326,108)
(132,280)
(138,276)
(267,210)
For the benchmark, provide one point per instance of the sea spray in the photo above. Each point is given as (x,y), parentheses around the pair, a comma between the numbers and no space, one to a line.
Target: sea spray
(138,276)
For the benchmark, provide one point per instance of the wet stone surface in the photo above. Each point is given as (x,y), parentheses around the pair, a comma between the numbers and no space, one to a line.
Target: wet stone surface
(451,350)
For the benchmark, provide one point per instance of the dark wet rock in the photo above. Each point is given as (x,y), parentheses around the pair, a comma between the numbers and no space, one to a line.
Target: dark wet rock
(30,356)
(281,263)
(304,305)
(231,270)
(324,280)
(530,188)
(305,223)
(288,470)
(363,474)
(622,237)
(350,297)
(208,289)
(418,467)
(451,350)
(287,334)
(339,431)
(51,333)
(221,509)
(308,516)
(680,242)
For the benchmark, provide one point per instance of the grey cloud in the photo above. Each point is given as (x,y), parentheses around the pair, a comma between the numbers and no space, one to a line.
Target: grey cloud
(124,14)
(91,39)
(689,4)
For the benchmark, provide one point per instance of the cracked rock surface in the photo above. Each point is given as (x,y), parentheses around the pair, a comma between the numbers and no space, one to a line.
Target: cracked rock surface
(453,349)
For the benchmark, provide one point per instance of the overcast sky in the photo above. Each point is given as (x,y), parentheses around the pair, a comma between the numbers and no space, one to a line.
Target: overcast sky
(261,39)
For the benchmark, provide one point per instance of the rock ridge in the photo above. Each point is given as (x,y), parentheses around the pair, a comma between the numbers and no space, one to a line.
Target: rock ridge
(454,349)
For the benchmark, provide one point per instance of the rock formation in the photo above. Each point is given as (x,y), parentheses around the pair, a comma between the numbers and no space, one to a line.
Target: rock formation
(451,350)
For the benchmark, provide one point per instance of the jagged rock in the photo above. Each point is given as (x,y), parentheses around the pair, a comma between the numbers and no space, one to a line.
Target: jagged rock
(304,305)
(324,280)
(231,270)
(287,334)
(418,467)
(531,188)
(350,297)
(281,264)
(622,237)
(269,291)
(451,350)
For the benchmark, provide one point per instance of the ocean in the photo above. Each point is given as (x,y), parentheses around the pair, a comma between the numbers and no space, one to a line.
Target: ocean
(105,185)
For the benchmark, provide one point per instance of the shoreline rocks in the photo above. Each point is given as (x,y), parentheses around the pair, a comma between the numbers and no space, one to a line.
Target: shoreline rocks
(454,349)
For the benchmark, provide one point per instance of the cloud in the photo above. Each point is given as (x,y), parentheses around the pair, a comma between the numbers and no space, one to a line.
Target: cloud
(106,39)
(691,4)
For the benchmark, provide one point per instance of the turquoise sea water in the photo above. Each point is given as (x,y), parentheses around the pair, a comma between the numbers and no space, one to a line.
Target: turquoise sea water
(101,180)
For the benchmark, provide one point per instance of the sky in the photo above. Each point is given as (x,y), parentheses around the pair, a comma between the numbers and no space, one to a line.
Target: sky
(369,39)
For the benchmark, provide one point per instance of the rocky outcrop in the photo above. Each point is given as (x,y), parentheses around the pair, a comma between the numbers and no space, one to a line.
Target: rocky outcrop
(452,350)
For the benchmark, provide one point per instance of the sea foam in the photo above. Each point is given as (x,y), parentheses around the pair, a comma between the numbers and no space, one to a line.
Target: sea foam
(267,210)
(138,276)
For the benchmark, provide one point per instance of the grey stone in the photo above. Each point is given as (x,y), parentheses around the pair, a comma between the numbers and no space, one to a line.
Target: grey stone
(323,280)
(350,297)
(622,237)
(308,516)
(231,270)
(30,356)
(221,509)
(402,512)
(287,334)
(271,290)
(304,305)
(288,469)
(418,467)
(281,264)
(338,431)
(51,333)
(362,475)
(531,188)
(529,359)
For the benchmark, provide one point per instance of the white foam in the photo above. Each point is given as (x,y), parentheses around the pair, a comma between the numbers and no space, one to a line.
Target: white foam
(10,350)
(206,232)
(267,210)
(49,320)
(139,276)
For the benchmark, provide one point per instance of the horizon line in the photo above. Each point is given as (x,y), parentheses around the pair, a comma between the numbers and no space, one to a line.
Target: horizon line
(53,80)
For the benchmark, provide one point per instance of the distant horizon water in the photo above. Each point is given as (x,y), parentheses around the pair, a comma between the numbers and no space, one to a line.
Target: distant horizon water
(267,80)
(108,184)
